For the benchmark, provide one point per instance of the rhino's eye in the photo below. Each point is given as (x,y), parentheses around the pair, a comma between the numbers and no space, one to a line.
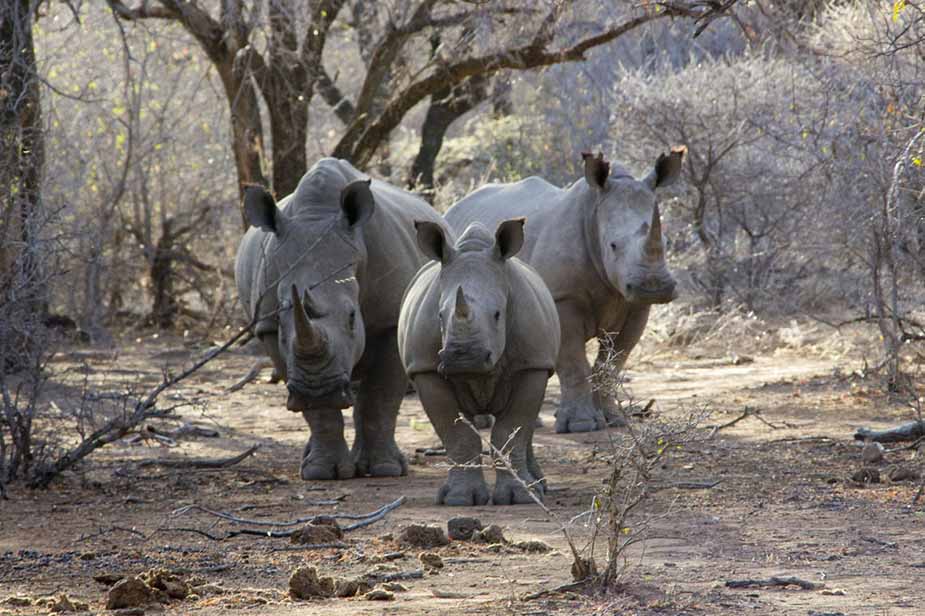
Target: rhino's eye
(613,246)
(497,315)
(353,319)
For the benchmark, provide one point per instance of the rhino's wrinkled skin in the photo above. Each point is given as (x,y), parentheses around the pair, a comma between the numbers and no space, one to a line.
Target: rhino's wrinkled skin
(479,334)
(598,246)
(334,259)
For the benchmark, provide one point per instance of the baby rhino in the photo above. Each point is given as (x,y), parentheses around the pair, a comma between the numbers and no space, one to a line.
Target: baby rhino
(479,333)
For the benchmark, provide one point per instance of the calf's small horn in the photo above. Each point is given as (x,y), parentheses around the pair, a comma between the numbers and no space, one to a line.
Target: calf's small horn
(462,308)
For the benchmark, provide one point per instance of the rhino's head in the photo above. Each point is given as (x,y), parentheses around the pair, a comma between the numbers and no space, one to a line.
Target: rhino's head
(474,290)
(629,227)
(317,261)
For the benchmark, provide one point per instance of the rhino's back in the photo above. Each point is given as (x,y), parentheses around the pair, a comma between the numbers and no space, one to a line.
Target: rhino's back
(493,203)
(554,234)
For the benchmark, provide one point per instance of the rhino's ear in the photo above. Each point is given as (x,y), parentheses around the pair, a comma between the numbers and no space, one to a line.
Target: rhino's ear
(667,168)
(357,202)
(509,238)
(432,241)
(260,208)
(597,170)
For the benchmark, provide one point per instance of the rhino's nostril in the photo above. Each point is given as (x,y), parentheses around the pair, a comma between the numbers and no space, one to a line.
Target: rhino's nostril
(488,357)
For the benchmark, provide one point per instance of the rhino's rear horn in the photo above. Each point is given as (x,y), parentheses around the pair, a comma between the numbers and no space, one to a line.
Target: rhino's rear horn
(654,247)
(462,308)
(309,339)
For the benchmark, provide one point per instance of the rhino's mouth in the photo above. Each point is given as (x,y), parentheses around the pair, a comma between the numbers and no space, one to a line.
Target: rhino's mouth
(331,393)
(455,361)
(651,295)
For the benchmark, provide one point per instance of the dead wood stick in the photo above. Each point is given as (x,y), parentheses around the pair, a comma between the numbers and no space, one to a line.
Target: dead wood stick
(908,431)
(552,591)
(377,515)
(200,462)
(774,581)
(259,366)
(364,520)
(274,523)
(728,424)
(691,485)
(394,577)
(310,546)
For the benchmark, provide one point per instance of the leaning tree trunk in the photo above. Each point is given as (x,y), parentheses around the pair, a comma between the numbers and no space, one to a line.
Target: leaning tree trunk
(23,285)
(446,106)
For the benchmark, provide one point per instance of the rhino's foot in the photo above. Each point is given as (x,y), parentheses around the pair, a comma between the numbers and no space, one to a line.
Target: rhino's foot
(384,460)
(464,489)
(326,463)
(579,418)
(510,491)
(483,422)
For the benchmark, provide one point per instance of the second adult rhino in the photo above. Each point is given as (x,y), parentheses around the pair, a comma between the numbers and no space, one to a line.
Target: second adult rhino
(598,246)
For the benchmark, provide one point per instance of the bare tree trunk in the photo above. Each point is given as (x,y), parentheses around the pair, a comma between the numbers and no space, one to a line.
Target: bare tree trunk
(447,106)
(23,284)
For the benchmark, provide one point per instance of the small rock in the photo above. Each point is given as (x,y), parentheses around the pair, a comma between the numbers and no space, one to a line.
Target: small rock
(304,583)
(88,556)
(395,587)
(461,528)
(210,589)
(446,594)
(108,578)
(739,360)
(351,587)
(492,534)
(838,592)
(872,453)
(316,533)
(866,475)
(379,594)
(584,569)
(62,603)
(537,547)
(130,592)
(128,611)
(423,536)
(903,473)
(431,560)
(18,601)
(165,580)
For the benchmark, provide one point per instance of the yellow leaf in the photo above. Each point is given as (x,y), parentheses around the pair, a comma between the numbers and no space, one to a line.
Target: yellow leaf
(917,161)
(898,7)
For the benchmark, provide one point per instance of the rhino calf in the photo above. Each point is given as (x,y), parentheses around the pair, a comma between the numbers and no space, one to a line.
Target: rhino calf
(479,333)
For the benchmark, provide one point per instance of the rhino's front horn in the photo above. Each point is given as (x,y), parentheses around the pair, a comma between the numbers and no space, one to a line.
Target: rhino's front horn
(462,308)
(308,337)
(654,247)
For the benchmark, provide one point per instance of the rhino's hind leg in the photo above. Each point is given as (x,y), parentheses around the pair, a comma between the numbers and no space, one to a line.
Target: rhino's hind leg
(465,484)
(520,415)
(326,455)
(576,412)
(375,451)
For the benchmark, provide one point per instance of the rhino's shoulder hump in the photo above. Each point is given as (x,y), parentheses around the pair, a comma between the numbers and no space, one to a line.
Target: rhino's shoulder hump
(534,312)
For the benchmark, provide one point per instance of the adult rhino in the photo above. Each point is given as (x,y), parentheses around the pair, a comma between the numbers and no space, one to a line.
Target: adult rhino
(326,269)
(468,339)
(598,246)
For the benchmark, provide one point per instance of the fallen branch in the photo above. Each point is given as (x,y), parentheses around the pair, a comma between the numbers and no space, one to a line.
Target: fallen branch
(200,462)
(258,367)
(690,485)
(395,577)
(908,431)
(365,519)
(747,412)
(558,589)
(774,581)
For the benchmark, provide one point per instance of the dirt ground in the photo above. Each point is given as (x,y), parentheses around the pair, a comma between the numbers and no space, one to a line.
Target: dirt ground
(784,504)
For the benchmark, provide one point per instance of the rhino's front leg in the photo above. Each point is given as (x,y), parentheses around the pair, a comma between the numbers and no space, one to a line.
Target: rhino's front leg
(326,455)
(576,412)
(376,410)
(465,484)
(614,349)
(526,398)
